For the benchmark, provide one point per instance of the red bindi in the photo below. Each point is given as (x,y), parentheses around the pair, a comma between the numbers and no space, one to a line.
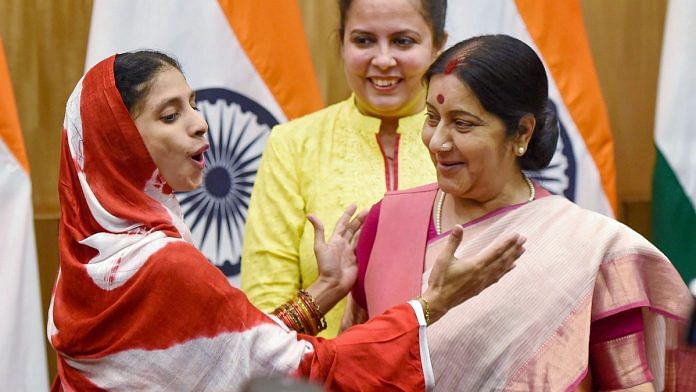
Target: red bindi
(440,99)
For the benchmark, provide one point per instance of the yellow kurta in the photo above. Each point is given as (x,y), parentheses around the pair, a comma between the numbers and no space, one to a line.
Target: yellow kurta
(318,164)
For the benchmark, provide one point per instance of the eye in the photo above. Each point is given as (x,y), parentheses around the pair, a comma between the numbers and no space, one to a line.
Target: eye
(361,40)
(431,119)
(463,125)
(404,42)
(169,118)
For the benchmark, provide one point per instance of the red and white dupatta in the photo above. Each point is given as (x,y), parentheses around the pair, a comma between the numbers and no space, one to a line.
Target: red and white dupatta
(137,307)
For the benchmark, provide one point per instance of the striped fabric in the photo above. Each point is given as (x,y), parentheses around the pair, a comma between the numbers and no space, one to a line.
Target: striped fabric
(531,330)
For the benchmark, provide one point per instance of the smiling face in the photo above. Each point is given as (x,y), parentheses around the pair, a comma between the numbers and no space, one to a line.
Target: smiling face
(173,131)
(473,156)
(386,48)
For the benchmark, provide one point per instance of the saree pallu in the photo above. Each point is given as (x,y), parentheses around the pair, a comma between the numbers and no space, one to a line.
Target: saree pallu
(531,330)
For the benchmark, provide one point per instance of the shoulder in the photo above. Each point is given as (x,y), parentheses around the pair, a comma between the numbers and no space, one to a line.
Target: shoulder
(310,124)
(600,230)
(181,263)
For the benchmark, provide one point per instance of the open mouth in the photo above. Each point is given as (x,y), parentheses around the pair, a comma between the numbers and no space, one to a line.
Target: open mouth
(199,156)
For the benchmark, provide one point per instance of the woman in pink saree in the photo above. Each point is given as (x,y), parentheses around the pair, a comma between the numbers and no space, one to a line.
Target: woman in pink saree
(591,304)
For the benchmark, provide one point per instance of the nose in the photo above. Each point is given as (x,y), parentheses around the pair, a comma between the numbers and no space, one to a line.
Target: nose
(439,141)
(384,59)
(199,126)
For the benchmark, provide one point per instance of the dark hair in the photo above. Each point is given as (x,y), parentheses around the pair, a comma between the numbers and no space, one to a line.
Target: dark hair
(134,72)
(510,81)
(433,12)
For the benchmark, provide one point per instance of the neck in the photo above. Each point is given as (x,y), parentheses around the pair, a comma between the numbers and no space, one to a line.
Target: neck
(458,210)
(388,126)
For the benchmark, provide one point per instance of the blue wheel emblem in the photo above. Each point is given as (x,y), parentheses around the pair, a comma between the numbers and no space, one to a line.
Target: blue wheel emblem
(238,129)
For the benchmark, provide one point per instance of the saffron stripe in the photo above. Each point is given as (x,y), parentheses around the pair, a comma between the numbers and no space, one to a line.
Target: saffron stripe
(10,131)
(558,30)
(285,65)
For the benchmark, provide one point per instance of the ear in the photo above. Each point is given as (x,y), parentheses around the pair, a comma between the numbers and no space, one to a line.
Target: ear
(525,129)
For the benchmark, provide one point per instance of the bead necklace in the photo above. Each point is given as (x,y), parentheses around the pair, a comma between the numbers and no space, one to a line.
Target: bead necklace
(441,201)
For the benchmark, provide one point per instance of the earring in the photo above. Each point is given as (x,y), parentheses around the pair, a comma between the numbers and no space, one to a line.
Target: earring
(520,151)
(446,147)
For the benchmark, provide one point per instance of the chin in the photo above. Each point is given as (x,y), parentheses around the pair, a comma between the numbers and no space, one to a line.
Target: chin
(447,185)
(186,187)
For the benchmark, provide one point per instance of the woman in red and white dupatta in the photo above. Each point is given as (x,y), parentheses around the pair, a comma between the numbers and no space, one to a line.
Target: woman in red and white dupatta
(137,307)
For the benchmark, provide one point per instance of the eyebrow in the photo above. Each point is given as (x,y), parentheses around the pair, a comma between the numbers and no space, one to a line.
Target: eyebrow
(459,111)
(169,101)
(400,32)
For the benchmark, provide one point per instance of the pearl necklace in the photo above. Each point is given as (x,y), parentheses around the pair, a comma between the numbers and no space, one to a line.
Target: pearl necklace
(441,201)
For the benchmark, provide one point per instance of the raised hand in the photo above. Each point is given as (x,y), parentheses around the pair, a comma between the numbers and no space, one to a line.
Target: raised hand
(336,258)
(453,281)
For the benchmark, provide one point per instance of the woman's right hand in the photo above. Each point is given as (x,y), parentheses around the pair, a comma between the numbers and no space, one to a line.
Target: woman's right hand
(453,281)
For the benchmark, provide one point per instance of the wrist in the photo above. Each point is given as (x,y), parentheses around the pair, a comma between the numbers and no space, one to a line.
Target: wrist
(436,307)
(326,293)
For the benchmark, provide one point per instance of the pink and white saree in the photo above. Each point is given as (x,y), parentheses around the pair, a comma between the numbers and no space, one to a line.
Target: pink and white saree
(137,307)
(531,330)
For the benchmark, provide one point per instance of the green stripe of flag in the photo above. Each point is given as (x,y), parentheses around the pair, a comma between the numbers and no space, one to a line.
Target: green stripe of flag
(674,219)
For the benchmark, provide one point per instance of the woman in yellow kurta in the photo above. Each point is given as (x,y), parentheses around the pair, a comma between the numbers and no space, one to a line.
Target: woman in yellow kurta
(350,152)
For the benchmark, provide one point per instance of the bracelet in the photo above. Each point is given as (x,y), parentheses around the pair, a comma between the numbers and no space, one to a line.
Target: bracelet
(311,304)
(301,314)
(426,308)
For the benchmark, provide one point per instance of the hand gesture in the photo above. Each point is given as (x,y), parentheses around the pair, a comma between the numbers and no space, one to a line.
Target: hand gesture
(453,281)
(336,257)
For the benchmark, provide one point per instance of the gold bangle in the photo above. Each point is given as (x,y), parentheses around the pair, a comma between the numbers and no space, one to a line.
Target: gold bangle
(309,317)
(309,302)
(426,308)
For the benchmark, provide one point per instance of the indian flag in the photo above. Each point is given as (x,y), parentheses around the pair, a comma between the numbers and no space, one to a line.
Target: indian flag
(674,179)
(583,167)
(249,63)
(22,350)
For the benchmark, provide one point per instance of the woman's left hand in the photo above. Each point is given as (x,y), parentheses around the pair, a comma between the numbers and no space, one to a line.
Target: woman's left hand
(336,258)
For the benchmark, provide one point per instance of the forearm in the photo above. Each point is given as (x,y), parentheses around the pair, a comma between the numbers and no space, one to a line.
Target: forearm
(391,340)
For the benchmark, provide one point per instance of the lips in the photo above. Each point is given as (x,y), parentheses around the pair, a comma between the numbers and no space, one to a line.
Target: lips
(199,156)
(384,83)
(448,167)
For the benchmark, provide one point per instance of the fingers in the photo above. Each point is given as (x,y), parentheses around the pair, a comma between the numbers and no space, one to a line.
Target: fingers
(354,240)
(355,225)
(318,230)
(344,221)
(501,259)
(498,251)
(512,253)
(453,242)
